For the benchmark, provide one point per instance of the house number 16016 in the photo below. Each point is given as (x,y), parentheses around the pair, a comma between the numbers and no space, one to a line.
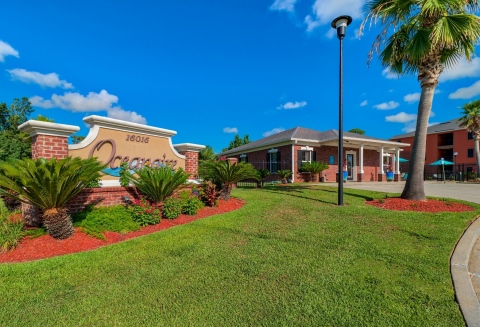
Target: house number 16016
(141,139)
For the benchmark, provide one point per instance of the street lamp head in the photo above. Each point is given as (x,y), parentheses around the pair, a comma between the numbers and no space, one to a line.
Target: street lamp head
(340,24)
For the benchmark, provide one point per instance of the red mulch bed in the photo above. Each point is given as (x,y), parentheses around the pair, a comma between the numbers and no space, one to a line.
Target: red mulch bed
(45,246)
(429,205)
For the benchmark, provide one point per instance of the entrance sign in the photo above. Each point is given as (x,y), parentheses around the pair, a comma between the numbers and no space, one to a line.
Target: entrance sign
(114,142)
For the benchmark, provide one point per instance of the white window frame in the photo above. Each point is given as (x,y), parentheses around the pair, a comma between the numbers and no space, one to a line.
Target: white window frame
(272,162)
(306,150)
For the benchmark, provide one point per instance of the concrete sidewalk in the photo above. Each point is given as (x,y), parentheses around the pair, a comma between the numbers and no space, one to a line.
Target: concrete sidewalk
(461,191)
(465,260)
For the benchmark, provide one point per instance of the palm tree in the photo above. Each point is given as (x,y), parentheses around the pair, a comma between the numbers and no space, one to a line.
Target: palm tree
(428,35)
(314,168)
(158,183)
(471,120)
(284,174)
(226,174)
(207,153)
(49,184)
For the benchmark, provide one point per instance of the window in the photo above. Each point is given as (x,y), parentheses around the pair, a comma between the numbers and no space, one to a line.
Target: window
(305,155)
(243,158)
(470,153)
(273,161)
(470,136)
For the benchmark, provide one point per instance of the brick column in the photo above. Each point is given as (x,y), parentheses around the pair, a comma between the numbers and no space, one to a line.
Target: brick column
(360,177)
(382,178)
(190,151)
(396,177)
(49,140)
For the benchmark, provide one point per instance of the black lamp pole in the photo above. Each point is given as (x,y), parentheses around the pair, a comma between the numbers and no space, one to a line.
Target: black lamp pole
(340,24)
(455,166)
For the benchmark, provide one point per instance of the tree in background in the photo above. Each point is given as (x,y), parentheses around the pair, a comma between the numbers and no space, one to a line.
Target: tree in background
(44,118)
(357,131)
(471,120)
(238,141)
(426,37)
(207,153)
(77,138)
(13,143)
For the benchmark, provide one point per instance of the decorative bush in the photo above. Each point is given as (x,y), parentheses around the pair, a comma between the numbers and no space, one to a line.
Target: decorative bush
(284,174)
(209,193)
(190,203)
(124,181)
(172,208)
(10,231)
(314,168)
(158,183)
(226,174)
(145,213)
(263,173)
(96,220)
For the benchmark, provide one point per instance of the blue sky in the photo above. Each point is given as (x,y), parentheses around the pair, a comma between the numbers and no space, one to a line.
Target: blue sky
(209,69)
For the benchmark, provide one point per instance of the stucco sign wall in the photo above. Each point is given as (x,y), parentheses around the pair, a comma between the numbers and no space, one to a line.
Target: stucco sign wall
(114,142)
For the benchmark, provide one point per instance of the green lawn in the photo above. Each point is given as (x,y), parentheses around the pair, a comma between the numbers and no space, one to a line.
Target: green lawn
(289,257)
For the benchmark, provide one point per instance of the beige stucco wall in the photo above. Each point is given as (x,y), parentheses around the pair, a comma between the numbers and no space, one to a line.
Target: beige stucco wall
(119,147)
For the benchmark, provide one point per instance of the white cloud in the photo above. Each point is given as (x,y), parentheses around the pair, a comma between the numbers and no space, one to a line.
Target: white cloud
(92,102)
(273,131)
(230,130)
(466,92)
(7,50)
(462,69)
(387,105)
(401,117)
(410,127)
(76,102)
(293,105)
(287,5)
(389,74)
(47,80)
(326,10)
(131,116)
(412,97)
(364,103)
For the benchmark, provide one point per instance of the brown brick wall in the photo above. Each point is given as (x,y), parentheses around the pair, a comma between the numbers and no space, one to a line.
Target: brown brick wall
(191,163)
(102,197)
(48,146)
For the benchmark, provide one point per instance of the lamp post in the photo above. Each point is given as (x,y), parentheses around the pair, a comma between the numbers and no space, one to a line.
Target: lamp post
(340,24)
(455,154)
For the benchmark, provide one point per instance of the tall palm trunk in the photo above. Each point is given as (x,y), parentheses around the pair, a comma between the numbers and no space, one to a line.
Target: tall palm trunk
(414,187)
(476,141)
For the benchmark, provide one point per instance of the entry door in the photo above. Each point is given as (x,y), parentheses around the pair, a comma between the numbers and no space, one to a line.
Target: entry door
(351,166)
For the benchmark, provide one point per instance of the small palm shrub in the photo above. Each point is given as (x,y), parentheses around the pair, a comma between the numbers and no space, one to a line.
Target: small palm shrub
(263,173)
(284,174)
(49,184)
(227,174)
(158,183)
(144,213)
(209,193)
(314,168)
(172,208)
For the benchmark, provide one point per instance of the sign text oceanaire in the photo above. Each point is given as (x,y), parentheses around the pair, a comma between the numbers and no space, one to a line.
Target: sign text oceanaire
(115,160)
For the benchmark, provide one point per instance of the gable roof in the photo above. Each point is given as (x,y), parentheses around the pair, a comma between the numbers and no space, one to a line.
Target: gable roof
(447,126)
(299,134)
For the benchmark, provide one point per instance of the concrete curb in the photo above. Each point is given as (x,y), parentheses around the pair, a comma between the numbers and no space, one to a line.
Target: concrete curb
(464,292)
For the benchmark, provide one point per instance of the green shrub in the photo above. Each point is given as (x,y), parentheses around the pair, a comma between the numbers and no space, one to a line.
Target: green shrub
(158,183)
(191,203)
(124,181)
(144,213)
(10,234)
(96,220)
(284,174)
(93,184)
(172,208)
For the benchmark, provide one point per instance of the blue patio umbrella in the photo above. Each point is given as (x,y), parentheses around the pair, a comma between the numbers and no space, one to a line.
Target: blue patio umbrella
(442,162)
(400,159)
